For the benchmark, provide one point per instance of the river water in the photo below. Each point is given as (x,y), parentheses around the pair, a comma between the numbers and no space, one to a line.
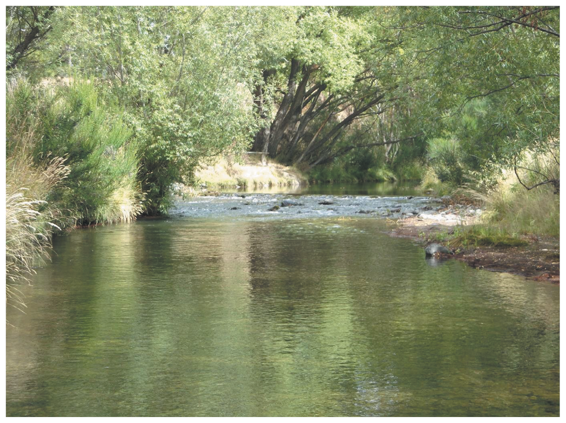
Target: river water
(228,309)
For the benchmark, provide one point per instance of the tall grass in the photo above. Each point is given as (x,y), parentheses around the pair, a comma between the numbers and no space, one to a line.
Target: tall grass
(518,211)
(30,219)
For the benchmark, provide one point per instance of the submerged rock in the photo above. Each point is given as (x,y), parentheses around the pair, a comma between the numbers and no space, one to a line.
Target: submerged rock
(289,203)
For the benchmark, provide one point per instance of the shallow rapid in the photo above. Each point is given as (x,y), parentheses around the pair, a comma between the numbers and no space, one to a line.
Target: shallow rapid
(284,206)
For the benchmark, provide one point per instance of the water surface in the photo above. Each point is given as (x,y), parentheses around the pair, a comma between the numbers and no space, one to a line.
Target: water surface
(248,315)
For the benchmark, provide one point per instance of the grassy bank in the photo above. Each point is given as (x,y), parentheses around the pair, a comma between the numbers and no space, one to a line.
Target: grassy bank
(512,215)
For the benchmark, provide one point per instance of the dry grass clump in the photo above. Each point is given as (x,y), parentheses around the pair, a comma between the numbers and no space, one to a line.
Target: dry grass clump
(30,220)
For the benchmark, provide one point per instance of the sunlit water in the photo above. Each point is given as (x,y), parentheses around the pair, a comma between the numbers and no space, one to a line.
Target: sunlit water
(255,315)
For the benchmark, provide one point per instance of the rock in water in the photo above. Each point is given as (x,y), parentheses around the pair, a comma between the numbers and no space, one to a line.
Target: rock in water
(289,203)
(435,249)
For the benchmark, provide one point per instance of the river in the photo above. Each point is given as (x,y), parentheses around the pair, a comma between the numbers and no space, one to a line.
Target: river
(228,309)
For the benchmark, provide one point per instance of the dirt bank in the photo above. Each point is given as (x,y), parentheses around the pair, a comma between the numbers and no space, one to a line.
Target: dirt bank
(248,171)
(538,260)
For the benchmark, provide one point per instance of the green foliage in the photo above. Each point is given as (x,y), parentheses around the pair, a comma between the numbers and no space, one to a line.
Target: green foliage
(363,165)
(70,122)
(181,76)
(410,171)
(447,159)
(330,173)
(464,86)
(27,27)
(493,69)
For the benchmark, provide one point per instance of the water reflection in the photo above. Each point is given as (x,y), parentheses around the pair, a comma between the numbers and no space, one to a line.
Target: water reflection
(435,261)
(276,318)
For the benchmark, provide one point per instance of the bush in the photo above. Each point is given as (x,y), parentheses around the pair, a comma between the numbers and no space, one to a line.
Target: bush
(447,159)
(71,122)
(412,171)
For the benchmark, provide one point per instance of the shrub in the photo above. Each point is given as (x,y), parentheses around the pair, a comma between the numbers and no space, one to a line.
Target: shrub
(447,159)
(412,171)
(71,122)
(361,165)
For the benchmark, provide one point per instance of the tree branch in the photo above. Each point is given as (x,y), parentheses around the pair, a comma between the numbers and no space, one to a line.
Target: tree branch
(554,182)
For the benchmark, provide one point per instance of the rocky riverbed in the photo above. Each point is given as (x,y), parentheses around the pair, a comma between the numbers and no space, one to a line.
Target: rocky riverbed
(285,206)
(418,218)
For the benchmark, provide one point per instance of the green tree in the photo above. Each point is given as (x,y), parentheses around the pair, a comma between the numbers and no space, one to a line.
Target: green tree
(507,57)
(26,28)
(339,67)
(180,75)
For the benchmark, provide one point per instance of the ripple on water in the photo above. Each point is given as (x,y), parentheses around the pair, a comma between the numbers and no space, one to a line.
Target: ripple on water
(236,315)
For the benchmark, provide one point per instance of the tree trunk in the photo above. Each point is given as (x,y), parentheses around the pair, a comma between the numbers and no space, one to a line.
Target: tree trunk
(34,34)
(278,123)
(261,139)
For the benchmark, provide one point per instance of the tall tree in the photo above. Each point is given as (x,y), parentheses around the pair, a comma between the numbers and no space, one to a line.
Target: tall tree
(179,73)
(338,69)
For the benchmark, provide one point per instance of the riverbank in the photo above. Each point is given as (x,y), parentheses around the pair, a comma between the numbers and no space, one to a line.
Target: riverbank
(538,259)
(247,172)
